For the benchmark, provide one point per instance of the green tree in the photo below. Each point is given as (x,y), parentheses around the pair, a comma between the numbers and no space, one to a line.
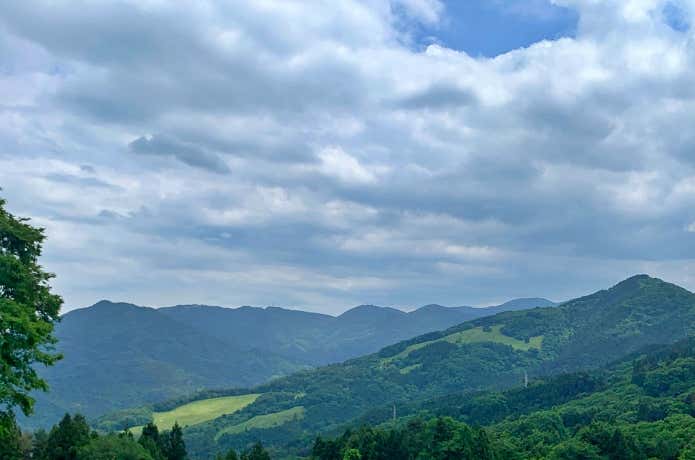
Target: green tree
(28,311)
(575,449)
(352,454)
(230,455)
(113,447)
(39,448)
(10,438)
(257,452)
(152,441)
(173,445)
(67,437)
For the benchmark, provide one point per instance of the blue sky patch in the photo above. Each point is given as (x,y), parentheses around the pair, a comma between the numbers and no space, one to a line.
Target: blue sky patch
(493,27)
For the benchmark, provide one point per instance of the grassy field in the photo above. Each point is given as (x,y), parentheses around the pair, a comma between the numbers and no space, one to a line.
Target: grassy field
(199,411)
(265,421)
(477,334)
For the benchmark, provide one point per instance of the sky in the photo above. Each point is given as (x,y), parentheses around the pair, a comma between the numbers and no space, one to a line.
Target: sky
(325,154)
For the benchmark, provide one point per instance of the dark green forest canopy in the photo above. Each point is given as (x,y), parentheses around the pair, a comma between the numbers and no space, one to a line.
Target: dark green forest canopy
(639,408)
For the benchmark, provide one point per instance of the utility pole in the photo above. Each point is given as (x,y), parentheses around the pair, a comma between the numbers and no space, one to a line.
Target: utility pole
(525,379)
(394,411)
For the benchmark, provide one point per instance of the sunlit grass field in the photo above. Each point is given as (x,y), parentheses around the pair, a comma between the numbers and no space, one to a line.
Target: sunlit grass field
(199,411)
(477,334)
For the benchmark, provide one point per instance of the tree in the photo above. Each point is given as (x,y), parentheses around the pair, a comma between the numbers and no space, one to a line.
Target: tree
(575,449)
(10,437)
(231,455)
(257,452)
(67,437)
(174,446)
(39,448)
(28,311)
(113,447)
(152,441)
(352,454)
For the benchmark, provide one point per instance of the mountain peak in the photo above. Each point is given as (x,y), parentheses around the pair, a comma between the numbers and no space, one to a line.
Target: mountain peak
(525,303)
(110,305)
(637,283)
(432,307)
(369,310)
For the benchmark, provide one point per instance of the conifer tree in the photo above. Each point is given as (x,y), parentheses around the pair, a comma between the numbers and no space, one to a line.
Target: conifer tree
(174,446)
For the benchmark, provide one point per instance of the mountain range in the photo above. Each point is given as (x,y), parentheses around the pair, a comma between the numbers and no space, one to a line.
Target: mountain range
(120,355)
(489,353)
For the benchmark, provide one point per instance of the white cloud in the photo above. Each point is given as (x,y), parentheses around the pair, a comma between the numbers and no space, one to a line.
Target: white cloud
(335,162)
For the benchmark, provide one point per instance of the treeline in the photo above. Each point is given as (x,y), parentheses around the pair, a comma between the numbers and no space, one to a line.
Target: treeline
(440,438)
(73,439)
(444,438)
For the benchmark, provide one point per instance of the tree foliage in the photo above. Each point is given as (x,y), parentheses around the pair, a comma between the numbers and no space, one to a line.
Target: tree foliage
(28,311)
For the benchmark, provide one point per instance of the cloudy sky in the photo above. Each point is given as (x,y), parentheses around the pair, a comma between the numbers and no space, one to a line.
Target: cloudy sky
(323,154)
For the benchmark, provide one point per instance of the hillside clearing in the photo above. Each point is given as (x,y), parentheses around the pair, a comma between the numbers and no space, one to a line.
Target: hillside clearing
(477,334)
(200,411)
(265,421)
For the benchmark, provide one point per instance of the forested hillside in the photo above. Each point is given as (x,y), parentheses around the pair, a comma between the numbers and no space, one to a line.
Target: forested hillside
(487,353)
(641,407)
(119,355)
(315,339)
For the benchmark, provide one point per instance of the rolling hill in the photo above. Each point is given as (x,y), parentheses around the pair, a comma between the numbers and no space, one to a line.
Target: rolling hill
(483,354)
(316,339)
(119,355)
(639,407)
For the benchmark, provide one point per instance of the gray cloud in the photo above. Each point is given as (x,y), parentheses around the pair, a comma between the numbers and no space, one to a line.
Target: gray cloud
(187,153)
(311,156)
(438,96)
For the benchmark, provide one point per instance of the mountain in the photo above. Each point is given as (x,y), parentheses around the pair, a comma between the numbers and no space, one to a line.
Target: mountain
(316,339)
(483,354)
(638,407)
(119,355)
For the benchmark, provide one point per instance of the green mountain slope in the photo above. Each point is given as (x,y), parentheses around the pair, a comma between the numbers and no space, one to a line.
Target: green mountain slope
(119,355)
(317,339)
(487,353)
(638,408)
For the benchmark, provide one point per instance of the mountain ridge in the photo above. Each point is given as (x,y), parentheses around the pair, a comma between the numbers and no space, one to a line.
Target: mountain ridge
(490,353)
(119,355)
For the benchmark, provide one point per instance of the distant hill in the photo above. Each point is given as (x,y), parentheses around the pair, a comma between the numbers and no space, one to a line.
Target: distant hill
(486,353)
(119,355)
(315,339)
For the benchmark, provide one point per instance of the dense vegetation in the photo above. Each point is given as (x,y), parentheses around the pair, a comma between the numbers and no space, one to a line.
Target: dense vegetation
(435,439)
(484,354)
(638,408)
(119,356)
(28,311)
(72,439)
(157,355)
